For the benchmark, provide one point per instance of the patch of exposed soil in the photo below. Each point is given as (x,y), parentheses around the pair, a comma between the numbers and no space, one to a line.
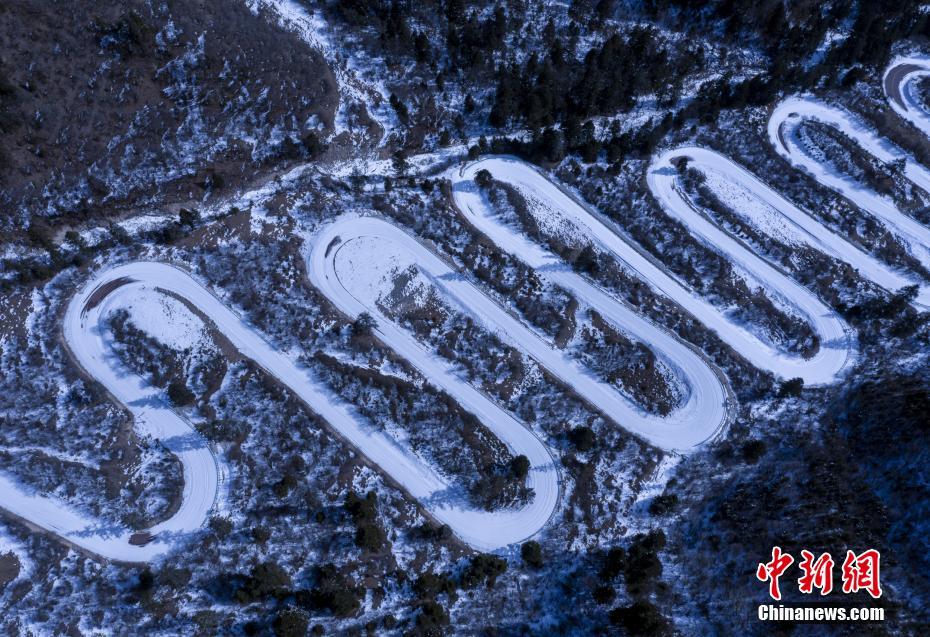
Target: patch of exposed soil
(185,97)
(9,568)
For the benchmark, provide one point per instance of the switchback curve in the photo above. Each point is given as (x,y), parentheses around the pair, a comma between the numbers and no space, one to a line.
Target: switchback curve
(85,337)
(704,409)
(802,225)
(782,131)
(824,367)
(899,82)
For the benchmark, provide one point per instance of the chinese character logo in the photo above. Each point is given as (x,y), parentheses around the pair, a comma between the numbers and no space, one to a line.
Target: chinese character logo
(860,572)
(771,571)
(817,574)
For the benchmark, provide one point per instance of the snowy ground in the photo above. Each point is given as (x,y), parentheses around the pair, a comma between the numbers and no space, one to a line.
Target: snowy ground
(826,366)
(311,27)
(699,418)
(782,129)
(90,342)
(354,260)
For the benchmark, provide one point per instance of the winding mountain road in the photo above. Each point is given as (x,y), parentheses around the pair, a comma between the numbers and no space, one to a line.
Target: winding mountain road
(341,263)
(837,348)
(87,337)
(783,125)
(700,416)
(88,340)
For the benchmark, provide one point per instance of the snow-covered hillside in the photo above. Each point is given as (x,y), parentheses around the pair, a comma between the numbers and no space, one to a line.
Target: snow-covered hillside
(459,318)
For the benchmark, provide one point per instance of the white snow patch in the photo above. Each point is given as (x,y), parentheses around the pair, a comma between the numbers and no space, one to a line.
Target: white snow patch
(164,318)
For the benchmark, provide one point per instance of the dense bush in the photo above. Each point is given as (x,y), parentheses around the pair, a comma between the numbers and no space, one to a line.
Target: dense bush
(893,408)
(291,622)
(604,594)
(332,592)
(483,569)
(791,388)
(431,619)
(520,467)
(663,504)
(266,579)
(613,564)
(432,532)
(582,438)
(430,585)
(640,618)
(179,394)
(531,553)
(364,513)
(643,568)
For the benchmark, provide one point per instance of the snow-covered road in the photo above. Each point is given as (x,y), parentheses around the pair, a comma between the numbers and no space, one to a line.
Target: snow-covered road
(89,342)
(343,260)
(341,263)
(88,339)
(900,84)
(782,131)
(836,349)
(704,407)
(756,200)
(837,344)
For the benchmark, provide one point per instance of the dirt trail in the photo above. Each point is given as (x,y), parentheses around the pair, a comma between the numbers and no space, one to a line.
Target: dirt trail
(893,82)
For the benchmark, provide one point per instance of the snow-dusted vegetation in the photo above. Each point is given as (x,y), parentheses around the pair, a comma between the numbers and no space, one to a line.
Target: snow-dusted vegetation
(459,317)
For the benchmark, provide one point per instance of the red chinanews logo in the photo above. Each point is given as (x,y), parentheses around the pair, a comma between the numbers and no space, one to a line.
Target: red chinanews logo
(860,572)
